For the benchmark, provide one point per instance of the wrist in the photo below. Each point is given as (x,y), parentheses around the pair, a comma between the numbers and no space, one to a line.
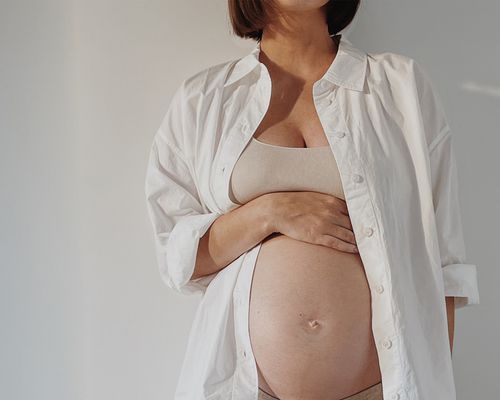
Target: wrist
(266,207)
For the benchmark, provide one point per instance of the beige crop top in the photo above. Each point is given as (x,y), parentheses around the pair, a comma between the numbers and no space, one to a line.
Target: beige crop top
(263,168)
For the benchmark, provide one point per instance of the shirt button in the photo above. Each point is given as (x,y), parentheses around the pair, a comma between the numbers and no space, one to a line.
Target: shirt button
(379,288)
(395,396)
(323,84)
(357,178)
(368,231)
(224,168)
(340,134)
(387,343)
(244,353)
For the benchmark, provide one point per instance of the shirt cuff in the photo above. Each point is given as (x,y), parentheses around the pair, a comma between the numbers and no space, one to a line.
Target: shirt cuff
(460,281)
(181,252)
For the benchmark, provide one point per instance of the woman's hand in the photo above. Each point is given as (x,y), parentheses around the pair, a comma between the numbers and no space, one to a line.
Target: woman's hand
(312,217)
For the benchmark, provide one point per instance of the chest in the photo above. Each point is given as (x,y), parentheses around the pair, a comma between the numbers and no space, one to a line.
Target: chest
(291,120)
(370,134)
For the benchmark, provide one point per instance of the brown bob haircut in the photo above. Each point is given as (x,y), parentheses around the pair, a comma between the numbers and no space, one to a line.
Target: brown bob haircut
(248,17)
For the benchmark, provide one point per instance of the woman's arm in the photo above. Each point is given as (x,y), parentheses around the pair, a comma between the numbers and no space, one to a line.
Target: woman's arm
(308,216)
(232,234)
(459,275)
(450,311)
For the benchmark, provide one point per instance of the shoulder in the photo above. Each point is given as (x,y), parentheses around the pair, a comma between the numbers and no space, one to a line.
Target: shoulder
(192,92)
(403,70)
(396,64)
(409,79)
(190,100)
(205,80)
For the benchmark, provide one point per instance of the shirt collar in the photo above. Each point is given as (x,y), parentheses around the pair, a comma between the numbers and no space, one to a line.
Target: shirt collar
(348,68)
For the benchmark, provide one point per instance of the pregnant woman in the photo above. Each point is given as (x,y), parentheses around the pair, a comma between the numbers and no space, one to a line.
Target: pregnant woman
(308,192)
(310,318)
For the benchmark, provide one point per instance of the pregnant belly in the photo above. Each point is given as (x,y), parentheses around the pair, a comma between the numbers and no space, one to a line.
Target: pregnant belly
(310,321)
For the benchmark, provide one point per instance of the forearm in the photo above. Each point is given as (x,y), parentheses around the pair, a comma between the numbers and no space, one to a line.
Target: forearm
(450,311)
(232,234)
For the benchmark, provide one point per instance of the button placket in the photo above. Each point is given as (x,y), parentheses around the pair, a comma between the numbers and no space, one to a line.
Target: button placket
(244,129)
(241,296)
(387,343)
(328,101)
(231,148)
(235,143)
(359,199)
(224,158)
(368,231)
(238,302)
(357,178)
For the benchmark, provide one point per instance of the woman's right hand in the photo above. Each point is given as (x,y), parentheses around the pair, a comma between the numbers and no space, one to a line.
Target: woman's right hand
(312,217)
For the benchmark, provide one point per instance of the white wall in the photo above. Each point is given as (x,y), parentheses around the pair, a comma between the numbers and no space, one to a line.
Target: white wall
(40,277)
(83,87)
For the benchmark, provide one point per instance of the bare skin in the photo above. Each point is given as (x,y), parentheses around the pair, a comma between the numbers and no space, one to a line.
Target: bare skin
(238,231)
(450,311)
(289,44)
(252,222)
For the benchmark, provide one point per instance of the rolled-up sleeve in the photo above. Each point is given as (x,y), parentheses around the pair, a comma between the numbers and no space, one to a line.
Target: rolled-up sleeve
(178,217)
(459,276)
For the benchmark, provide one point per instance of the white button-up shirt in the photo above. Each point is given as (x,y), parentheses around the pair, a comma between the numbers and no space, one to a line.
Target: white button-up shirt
(393,145)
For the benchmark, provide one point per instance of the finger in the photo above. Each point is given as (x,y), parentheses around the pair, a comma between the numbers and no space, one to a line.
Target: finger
(340,205)
(343,207)
(338,244)
(341,233)
(341,220)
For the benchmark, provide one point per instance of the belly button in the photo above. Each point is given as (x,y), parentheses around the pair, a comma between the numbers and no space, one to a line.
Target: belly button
(313,323)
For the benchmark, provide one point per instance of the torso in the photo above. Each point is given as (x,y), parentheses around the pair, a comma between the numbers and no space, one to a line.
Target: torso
(310,305)
(310,321)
